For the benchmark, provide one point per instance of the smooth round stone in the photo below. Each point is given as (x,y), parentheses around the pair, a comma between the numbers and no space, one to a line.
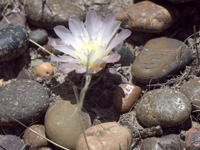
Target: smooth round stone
(25,100)
(45,69)
(10,142)
(192,139)
(125,96)
(159,58)
(146,16)
(33,140)
(14,41)
(15,18)
(39,36)
(168,142)
(25,74)
(109,135)
(164,107)
(55,12)
(62,123)
(191,89)
(127,57)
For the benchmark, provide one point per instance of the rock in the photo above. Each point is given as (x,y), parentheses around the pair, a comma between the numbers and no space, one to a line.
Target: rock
(192,139)
(62,123)
(146,16)
(159,58)
(45,69)
(55,12)
(39,36)
(43,52)
(125,96)
(34,141)
(127,57)
(13,41)
(25,74)
(25,100)
(103,12)
(171,142)
(164,107)
(10,142)
(191,89)
(15,18)
(109,135)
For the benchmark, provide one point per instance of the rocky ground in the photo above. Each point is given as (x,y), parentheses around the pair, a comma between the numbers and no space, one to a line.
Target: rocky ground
(156,78)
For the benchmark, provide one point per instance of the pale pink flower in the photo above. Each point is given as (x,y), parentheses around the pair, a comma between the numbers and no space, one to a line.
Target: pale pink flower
(90,42)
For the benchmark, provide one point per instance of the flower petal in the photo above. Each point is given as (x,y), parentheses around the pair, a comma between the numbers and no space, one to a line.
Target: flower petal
(61,31)
(62,58)
(77,28)
(67,67)
(95,70)
(113,58)
(70,52)
(117,39)
(54,42)
(80,69)
(92,23)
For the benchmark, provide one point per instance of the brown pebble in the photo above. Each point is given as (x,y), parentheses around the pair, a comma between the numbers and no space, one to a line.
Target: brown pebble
(25,74)
(125,96)
(45,69)
(33,140)
(192,139)
(105,136)
(145,16)
(43,52)
(15,18)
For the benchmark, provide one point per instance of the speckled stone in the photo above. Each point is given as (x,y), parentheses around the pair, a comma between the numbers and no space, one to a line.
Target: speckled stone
(55,12)
(14,41)
(164,107)
(127,57)
(109,135)
(159,58)
(33,140)
(10,142)
(192,139)
(25,100)
(146,16)
(39,36)
(168,142)
(191,89)
(62,123)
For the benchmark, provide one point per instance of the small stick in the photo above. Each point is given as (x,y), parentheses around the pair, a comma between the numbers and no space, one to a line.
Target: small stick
(41,47)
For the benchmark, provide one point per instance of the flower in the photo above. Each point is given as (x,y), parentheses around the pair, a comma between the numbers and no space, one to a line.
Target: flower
(88,44)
